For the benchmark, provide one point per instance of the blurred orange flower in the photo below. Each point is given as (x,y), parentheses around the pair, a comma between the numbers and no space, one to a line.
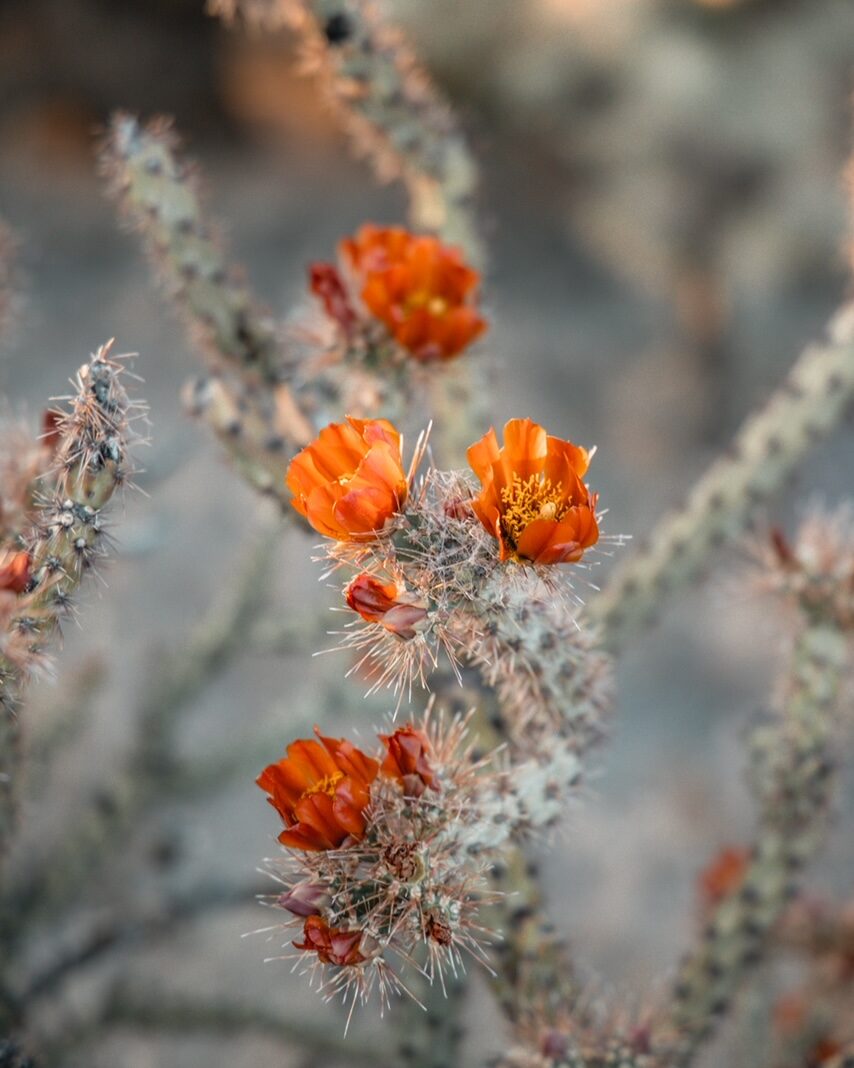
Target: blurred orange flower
(384,603)
(532,497)
(421,289)
(350,481)
(332,944)
(320,789)
(14,571)
(723,875)
(408,759)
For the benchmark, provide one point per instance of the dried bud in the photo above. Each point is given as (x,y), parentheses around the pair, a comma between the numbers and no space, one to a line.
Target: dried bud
(408,760)
(383,603)
(305,899)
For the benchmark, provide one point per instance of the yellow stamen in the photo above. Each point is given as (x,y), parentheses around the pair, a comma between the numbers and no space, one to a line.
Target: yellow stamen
(535,498)
(325,786)
(435,305)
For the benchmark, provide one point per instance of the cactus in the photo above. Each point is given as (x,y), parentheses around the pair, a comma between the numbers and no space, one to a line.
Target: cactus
(245,397)
(83,467)
(815,396)
(388,105)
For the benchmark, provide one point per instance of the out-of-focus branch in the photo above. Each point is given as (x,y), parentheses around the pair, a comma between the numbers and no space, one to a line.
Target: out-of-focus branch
(8,294)
(89,464)
(773,441)
(245,397)
(137,1010)
(389,106)
(152,772)
(792,779)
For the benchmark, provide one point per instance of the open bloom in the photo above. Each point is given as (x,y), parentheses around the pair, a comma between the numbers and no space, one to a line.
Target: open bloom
(321,790)
(350,481)
(532,496)
(331,944)
(408,760)
(421,289)
(384,603)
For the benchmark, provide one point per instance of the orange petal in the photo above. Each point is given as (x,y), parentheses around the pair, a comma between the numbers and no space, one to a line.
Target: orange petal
(483,454)
(563,455)
(536,538)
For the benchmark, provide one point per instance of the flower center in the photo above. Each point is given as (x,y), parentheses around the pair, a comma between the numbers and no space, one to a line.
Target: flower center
(326,785)
(535,498)
(435,305)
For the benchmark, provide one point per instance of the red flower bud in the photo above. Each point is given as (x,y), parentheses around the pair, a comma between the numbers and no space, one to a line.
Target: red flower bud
(723,875)
(408,760)
(326,284)
(15,571)
(382,603)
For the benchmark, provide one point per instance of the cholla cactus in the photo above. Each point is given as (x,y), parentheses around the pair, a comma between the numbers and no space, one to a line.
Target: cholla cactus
(397,303)
(54,530)
(441,567)
(387,103)
(388,854)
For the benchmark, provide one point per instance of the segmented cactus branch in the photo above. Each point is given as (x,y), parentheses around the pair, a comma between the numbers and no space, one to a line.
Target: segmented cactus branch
(792,776)
(535,982)
(773,441)
(392,111)
(89,463)
(245,399)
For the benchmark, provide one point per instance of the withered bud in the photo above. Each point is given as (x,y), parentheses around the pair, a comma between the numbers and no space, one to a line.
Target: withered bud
(438,929)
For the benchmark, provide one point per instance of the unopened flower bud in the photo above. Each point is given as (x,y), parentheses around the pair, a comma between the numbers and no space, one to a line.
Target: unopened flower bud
(305,899)
(14,571)
(408,760)
(383,603)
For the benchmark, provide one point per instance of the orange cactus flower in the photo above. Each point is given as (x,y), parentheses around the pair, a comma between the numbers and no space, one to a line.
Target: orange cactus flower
(15,571)
(321,790)
(532,497)
(421,289)
(350,481)
(332,944)
(384,603)
(408,760)
(723,875)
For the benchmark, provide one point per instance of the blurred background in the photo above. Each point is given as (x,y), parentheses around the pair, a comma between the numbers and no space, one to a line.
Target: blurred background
(663,198)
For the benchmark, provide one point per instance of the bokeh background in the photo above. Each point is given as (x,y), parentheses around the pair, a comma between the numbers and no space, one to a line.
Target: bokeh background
(662,193)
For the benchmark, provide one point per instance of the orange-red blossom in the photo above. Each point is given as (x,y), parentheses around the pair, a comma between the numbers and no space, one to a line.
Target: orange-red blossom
(384,603)
(349,482)
(532,497)
(421,289)
(321,789)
